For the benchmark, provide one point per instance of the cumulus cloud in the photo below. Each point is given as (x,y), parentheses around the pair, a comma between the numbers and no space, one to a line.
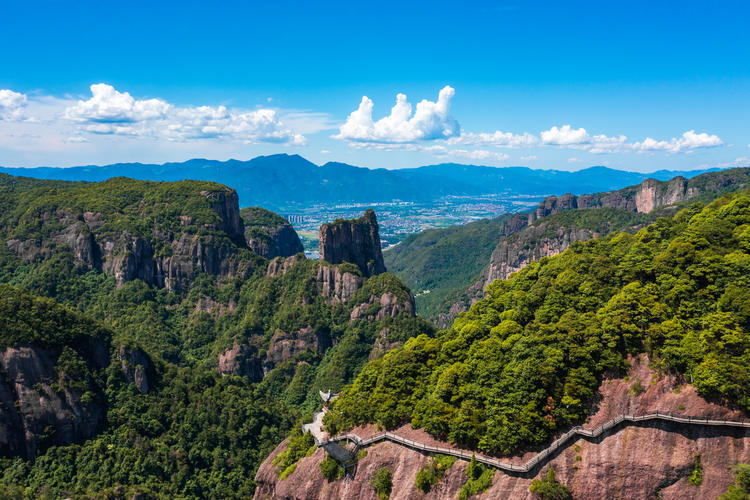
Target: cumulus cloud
(565,136)
(12,105)
(568,137)
(107,105)
(430,121)
(111,112)
(687,143)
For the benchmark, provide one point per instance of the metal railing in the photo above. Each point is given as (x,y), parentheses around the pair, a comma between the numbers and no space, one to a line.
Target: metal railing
(542,455)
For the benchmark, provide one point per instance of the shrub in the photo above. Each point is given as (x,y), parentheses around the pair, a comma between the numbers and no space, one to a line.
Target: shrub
(549,488)
(431,474)
(696,477)
(300,446)
(330,468)
(382,482)
(741,487)
(479,478)
(636,388)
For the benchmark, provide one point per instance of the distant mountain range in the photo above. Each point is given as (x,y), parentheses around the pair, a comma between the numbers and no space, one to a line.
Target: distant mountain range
(283,182)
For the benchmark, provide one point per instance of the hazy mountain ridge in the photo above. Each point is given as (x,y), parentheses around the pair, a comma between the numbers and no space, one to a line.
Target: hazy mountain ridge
(284,181)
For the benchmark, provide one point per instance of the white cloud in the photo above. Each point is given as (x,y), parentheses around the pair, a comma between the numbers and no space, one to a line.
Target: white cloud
(325,152)
(687,143)
(12,105)
(431,121)
(565,136)
(574,160)
(529,158)
(604,144)
(741,162)
(110,112)
(473,154)
(76,139)
(477,154)
(107,105)
(497,139)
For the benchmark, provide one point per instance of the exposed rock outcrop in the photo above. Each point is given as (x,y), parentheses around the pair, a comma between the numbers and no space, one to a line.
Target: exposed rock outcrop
(285,346)
(241,360)
(169,255)
(269,234)
(387,305)
(137,367)
(356,241)
(642,198)
(649,461)
(527,245)
(513,254)
(38,408)
(337,285)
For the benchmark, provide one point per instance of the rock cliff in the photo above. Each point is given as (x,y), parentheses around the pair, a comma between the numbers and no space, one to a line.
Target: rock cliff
(330,287)
(137,368)
(38,408)
(269,234)
(648,461)
(356,241)
(162,233)
(530,239)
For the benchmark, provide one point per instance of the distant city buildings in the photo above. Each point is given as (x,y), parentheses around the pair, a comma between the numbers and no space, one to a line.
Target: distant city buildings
(398,219)
(295,218)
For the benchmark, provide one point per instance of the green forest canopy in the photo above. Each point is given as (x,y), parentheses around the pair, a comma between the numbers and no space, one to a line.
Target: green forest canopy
(527,359)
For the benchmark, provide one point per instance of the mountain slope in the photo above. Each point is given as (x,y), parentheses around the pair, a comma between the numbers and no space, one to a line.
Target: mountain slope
(626,324)
(199,381)
(456,281)
(525,360)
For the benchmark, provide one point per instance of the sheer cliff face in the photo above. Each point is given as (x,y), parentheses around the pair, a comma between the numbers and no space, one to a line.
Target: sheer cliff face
(165,247)
(332,285)
(356,241)
(529,240)
(37,408)
(269,234)
(535,242)
(643,198)
(645,462)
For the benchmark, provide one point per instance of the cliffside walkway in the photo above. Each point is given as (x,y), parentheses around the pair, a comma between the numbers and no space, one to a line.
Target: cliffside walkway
(543,455)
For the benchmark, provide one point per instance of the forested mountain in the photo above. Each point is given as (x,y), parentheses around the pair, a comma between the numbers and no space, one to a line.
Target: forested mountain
(525,360)
(625,324)
(147,348)
(284,181)
(456,264)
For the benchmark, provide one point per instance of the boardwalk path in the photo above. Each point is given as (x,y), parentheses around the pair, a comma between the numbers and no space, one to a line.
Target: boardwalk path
(538,459)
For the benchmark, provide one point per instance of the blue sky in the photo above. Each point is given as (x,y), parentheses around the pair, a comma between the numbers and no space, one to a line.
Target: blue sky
(565,85)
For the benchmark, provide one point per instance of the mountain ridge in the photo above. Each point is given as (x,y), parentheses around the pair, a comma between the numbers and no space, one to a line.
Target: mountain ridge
(283,181)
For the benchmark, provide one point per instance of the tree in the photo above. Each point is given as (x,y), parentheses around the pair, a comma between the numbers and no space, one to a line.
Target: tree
(549,488)
(382,482)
